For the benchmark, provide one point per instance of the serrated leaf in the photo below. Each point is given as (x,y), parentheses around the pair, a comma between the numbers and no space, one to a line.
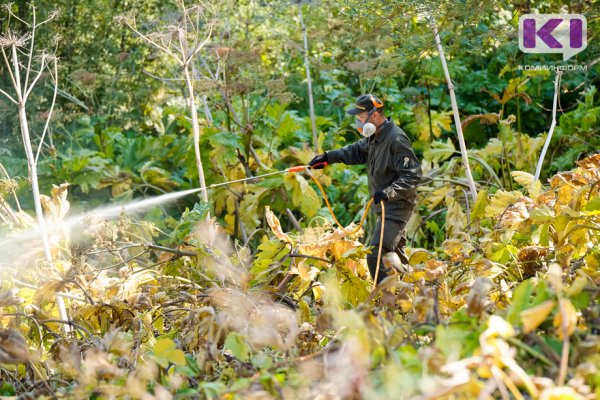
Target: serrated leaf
(439,151)
(526,180)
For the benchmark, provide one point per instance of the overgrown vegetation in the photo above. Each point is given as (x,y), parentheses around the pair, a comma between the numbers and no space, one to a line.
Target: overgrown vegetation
(268,298)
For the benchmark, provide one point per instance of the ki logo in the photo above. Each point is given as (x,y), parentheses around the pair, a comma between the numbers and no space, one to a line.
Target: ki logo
(553,33)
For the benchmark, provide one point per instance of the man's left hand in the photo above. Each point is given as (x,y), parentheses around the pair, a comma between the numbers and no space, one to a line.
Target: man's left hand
(380,195)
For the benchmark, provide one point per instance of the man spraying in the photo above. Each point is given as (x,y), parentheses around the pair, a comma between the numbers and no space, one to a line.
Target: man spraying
(394,172)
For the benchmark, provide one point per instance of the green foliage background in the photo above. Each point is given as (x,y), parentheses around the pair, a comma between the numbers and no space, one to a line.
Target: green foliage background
(121,131)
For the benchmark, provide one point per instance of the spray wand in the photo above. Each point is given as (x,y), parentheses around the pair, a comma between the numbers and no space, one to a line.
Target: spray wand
(298,168)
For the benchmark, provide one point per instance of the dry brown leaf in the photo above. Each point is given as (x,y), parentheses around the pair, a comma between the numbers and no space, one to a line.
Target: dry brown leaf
(276,226)
(56,206)
(435,269)
(9,298)
(477,299)
(13,347)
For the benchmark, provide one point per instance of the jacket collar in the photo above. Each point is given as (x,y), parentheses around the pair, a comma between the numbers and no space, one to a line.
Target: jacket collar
(383,131)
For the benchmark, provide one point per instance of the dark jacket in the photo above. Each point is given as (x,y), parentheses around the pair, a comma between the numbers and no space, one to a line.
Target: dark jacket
(392,167)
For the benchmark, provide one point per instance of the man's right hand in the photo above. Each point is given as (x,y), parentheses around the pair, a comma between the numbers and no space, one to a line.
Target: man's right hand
(319,161)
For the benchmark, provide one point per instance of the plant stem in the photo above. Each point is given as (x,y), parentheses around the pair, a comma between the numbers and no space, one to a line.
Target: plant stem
(538,169)
(459,132)
(195,132)
(309,82)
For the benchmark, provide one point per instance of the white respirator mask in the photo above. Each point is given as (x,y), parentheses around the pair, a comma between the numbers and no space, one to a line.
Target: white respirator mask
(366,128)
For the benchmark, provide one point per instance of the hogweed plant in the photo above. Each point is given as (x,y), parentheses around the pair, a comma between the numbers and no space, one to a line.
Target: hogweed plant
(25,66)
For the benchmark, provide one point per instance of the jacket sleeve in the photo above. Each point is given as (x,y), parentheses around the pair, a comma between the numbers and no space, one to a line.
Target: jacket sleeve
(408,170)
(355,153)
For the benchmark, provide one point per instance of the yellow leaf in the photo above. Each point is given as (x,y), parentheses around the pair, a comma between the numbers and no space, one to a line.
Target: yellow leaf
(418,256)
(534,316)
(516,213)
(554,276)
(525,179)
(578,284)
(436,197)
(166,351)
(459,247)
(422,128)
(456,219)
(569,313)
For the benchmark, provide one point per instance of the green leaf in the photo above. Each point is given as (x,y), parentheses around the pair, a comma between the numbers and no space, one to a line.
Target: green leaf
(212,390)
(593,206)
(439,151)
(520,300)
(303,195)
(262,361)
(450,340)
(480,203)
(189,220)
(269,253)
(354,289)
(238,346)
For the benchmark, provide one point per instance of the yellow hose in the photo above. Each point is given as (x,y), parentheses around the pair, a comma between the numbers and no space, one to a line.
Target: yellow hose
(360,224)
(380,245)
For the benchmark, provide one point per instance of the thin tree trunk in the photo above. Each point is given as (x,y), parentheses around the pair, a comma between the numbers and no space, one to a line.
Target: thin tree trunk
(459,132)
(195,132)
(538,169)
(311,106)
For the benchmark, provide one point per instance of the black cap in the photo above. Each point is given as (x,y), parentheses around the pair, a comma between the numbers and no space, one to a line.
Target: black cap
(365,102)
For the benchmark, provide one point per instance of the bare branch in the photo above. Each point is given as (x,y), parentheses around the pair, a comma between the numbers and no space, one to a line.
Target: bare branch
(181,36)
(8,96)
(51,16)
(207,68)
(162,79)
(30,57)
(10,13)
(50,111)
(10,71)
(43,59)
(200,45)
(15,61)
(132,25)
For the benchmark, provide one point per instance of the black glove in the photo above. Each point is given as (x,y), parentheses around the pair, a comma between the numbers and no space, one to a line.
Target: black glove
(379,195)
(319,161)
